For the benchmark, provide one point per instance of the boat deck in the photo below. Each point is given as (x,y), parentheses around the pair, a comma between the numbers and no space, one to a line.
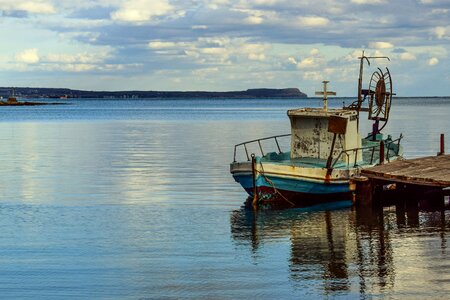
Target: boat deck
(306,162)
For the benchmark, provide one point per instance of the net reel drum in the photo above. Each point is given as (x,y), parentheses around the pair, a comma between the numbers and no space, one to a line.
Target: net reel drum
(380,99)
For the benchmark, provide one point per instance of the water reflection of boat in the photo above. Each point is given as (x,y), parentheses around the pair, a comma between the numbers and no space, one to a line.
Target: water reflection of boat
(326,150)
(350,251)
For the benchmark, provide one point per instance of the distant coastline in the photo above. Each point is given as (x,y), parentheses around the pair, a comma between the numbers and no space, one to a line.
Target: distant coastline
(27,92)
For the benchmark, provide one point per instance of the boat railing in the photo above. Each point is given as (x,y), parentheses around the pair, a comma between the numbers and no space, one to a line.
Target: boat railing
(384,151)
(258,141)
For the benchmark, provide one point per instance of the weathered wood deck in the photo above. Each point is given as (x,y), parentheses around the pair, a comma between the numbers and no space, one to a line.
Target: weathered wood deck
(432,171)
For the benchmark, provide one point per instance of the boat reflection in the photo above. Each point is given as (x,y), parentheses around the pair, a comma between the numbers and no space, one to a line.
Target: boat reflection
(348,250)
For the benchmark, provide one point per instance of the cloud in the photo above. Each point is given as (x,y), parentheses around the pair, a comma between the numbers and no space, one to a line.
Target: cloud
(440,11)
(433,61)
(254,51)
(368,2)
(442,32)
(214,50)
(266,2)
(139,11)
(292,60)
(380,45)
(279,38)
(313,76)
(78,58)
(313,21)
(199,27)
(407,56)
(205,72)
(78,67)
(94,60)
(314,51)
(161,45)
(29,56)
(35,7)
(308,62)
(39,7)
(254,20)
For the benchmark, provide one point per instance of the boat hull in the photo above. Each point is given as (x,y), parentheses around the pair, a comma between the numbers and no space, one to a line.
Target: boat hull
(291,185)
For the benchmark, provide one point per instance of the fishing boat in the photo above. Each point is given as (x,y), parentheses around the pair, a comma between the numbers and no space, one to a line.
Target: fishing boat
(326,149)
(12,98)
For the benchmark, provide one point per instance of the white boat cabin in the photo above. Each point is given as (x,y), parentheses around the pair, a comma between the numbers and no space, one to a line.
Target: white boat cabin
(314,129)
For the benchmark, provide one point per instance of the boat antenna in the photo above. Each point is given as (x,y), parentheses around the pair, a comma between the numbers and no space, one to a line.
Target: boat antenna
(325,94)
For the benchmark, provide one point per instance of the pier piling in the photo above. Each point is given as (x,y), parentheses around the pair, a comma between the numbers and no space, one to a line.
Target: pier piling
(381,152)
(442,148)
(363,190)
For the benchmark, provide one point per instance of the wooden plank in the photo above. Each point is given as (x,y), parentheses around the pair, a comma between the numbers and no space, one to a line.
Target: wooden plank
(411,180)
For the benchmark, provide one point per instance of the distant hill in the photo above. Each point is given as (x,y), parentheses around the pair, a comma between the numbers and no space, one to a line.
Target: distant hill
(26,92)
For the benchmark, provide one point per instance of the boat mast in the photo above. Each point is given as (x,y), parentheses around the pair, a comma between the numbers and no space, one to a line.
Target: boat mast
(325,94)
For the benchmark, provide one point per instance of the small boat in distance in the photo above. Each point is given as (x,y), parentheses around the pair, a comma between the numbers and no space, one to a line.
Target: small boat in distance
(12,101)
(326,149)
(12,98)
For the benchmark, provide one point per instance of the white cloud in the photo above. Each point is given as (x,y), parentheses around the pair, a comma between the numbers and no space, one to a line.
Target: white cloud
(314,51)
(433,61)
(199,27)
(441,32)
(254,20)
(216,4)
(139,11)
(256,17)
(205,72)
(79,58)
(36,6)
(161,45)
(439,11)
(257,56)
(78,67)
(370,2)
(313,76)
(29,56)
(380,45)
(407,56)
(308,62)
(266,2)
(254,48)
(92,60)
(212,50)
(292,60)
(312,21)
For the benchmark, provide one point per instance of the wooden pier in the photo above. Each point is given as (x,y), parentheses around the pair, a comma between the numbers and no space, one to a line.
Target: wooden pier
(425,179)
(432,171)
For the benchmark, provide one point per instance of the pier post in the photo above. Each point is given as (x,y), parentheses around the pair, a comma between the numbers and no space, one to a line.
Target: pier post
(442,148)
(363,190)
(255,200)
(381,152)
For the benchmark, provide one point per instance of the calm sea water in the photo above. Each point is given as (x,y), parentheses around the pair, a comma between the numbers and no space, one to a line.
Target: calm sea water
(133,200)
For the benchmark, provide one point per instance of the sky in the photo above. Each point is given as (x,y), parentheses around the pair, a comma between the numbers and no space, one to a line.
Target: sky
(224,45)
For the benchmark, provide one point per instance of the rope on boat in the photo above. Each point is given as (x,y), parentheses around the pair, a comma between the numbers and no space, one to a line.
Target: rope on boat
(273,185)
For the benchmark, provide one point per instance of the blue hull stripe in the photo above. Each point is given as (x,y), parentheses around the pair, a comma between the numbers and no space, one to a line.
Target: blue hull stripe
(294,185)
